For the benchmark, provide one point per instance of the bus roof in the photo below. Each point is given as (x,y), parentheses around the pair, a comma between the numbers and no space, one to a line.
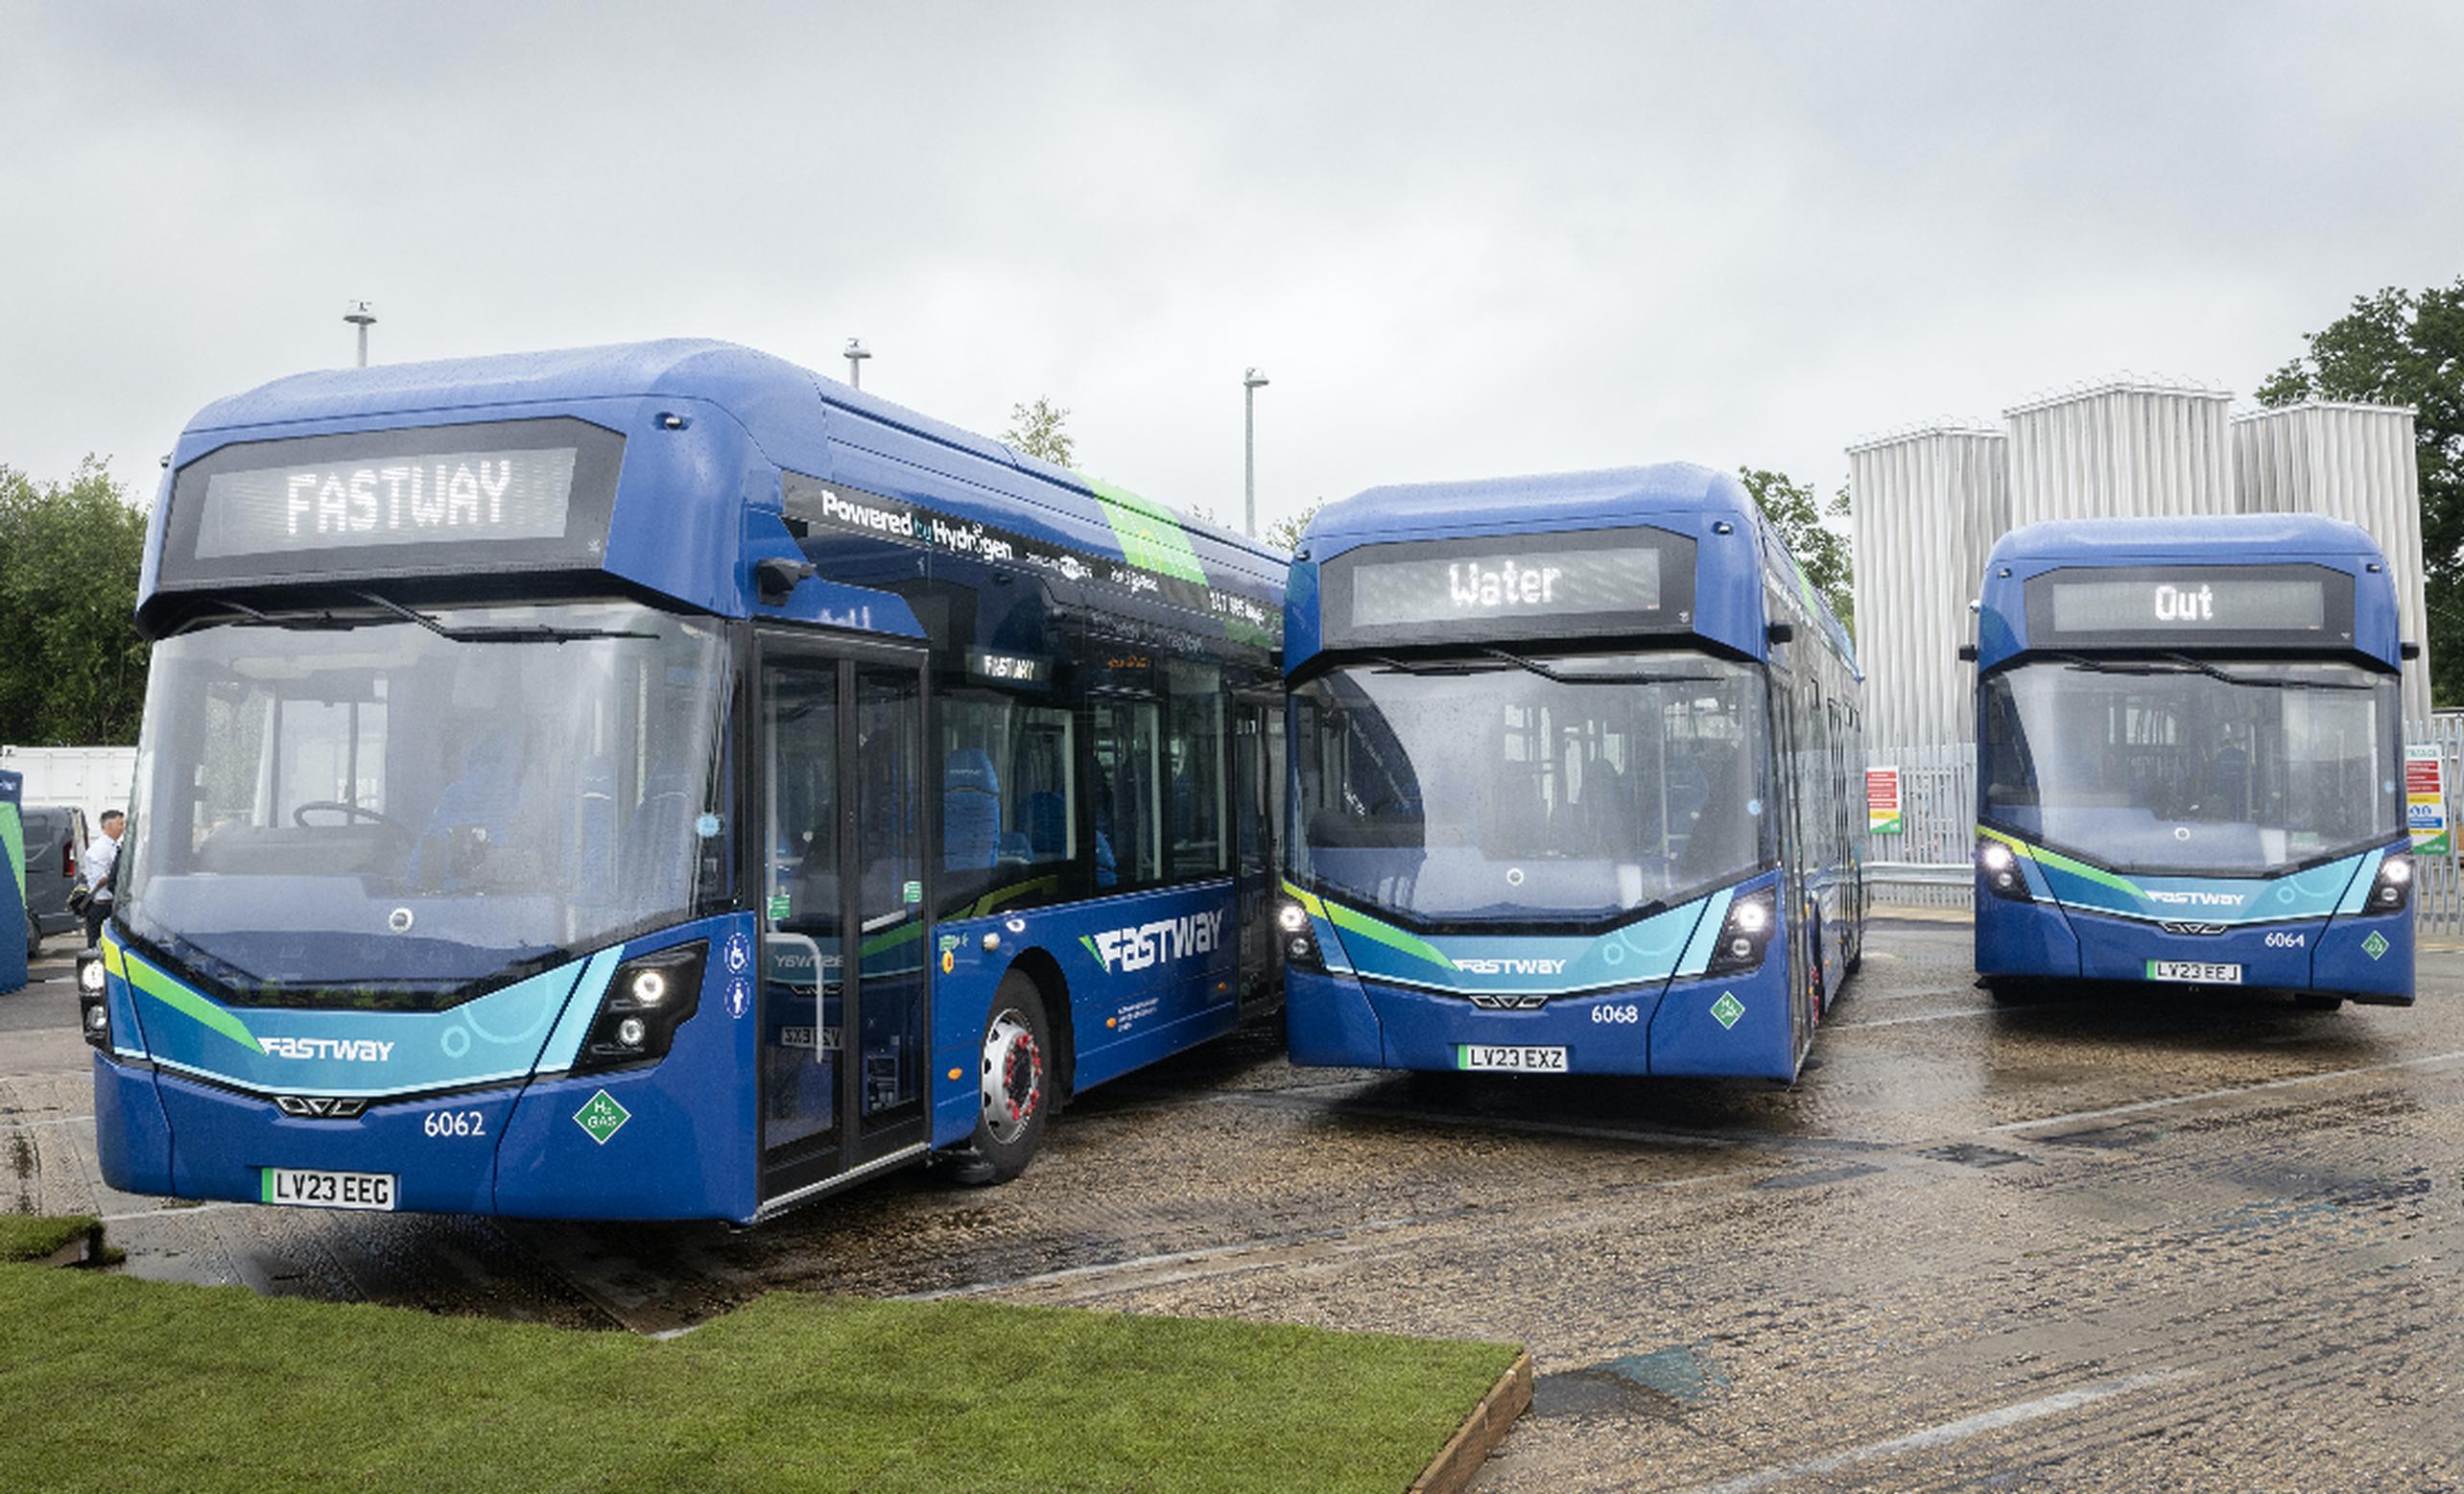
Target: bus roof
(1680,496)
(799,420)
(1523,505)
(2237,538)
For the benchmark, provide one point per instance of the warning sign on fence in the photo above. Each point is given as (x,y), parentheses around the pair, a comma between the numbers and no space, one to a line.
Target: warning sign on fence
(2425,799)
(1883,801)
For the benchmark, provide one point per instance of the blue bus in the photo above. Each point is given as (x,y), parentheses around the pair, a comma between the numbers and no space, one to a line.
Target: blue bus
(655,781)
(2190,759)
(1576,775)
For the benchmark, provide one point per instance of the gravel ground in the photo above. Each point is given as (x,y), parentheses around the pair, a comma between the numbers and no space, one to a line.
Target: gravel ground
(2123,1241)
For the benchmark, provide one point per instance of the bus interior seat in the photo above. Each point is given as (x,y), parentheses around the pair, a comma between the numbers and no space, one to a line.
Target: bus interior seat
(1044,817)
(655,865)
(970,810)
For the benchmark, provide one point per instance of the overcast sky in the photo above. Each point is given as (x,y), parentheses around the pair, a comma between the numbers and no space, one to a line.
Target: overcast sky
(1462,240)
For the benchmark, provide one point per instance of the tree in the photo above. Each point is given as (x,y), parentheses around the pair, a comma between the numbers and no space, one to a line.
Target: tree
(72,667)
(1285,533)
(1821,551)
(1036,429)
(2401,348)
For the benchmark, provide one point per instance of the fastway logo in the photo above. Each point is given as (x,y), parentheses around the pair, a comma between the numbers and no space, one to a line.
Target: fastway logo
(1164,938)
(348,1050)
(2197,899)
(1510,966)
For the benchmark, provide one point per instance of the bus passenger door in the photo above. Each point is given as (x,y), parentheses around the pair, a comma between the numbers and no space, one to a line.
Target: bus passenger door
(838,797)
(1788,740)
(1257,720)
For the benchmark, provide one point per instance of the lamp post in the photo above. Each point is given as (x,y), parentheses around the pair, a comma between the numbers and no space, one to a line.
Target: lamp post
(1251,381)
(857,353)
(363,315)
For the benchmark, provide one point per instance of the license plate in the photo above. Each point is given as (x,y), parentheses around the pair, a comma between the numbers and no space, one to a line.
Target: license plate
(307,1188)
(1488,1058)
(2198,972)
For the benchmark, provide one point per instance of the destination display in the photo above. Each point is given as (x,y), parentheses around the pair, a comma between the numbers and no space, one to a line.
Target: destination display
(486,496)
(1615,579)
(2186,601)
(1593,581)
(2218,604)
(334,506)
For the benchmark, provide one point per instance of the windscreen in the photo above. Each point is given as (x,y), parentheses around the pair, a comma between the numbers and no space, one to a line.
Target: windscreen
(1557,790)
(375,813)
(2191,767)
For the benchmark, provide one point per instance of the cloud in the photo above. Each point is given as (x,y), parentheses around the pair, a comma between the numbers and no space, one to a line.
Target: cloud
(1461,239)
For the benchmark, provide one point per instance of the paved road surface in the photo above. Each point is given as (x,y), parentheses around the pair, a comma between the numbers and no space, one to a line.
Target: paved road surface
(2119,1242)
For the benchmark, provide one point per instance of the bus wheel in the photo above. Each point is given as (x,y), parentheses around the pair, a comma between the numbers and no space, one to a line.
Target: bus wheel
(2304,1001)
(1017,1079)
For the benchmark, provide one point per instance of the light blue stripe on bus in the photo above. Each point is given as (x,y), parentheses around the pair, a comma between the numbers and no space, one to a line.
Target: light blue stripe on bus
(2358,894)
(1706,933)
(580,1008)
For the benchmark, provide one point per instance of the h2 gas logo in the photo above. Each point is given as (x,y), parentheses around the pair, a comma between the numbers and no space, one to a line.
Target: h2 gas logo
(1149,943)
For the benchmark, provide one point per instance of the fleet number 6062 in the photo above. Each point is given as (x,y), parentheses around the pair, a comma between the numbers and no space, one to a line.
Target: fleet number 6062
(454,1123)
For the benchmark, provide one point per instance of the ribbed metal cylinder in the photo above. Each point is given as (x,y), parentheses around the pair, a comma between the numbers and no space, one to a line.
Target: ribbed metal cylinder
(2121,451)
(2354,462)
(1926,508)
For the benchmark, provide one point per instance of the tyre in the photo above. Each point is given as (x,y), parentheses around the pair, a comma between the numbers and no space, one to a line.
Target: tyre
(2304,1001)
(1017,1081)
(34,937)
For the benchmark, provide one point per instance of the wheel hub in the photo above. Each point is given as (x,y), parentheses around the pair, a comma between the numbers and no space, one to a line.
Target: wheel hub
(1014,1077)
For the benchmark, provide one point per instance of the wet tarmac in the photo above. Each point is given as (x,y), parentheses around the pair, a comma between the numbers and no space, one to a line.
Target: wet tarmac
(2118,1241)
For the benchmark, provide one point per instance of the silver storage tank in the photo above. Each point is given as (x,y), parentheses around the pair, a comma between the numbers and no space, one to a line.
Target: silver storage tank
(1927,506)
(2354,462)
(2121,450)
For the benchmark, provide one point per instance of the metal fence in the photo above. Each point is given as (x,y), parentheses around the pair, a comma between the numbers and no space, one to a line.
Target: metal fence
(1927,865)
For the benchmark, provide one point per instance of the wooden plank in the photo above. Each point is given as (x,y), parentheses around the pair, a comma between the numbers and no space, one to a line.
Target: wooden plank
(1459,1462)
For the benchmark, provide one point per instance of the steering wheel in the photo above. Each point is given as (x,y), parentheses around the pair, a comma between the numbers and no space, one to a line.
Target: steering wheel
(299,816)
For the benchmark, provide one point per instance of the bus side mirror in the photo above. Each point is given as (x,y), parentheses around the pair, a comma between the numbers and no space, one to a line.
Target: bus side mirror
(1967,653)
(2408,650)
(776,576)
(1781,632)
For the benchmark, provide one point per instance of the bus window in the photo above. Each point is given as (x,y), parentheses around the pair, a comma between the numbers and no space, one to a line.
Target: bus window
(1128,793)
(1006,785)
(1194,744)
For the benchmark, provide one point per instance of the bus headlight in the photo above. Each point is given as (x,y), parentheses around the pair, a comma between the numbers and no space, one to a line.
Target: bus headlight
(1745,933)
(2392,889)
(1299,939)
(1998,864)
(93,1009)
(650,997)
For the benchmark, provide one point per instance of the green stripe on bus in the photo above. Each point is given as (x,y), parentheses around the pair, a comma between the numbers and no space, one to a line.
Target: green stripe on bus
(2061,862)
(1307,899)
(187,1003)
(1389,934)
(1150,536)
(13,836)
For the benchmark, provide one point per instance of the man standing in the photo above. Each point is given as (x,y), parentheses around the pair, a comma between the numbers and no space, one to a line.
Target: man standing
(101,859)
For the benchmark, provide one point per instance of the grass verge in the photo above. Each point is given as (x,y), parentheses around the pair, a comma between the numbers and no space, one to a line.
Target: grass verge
(112,1383)
(29,1237)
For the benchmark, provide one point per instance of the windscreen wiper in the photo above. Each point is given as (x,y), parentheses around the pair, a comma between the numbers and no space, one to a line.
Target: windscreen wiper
(524,632)
(1439,667)
(2178,663)
(2214,673)
(1556,679)
(296,622)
